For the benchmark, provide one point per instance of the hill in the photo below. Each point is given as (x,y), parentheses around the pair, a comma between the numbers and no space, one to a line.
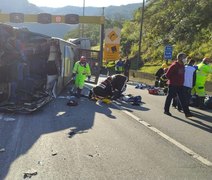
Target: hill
(110,12)
(186,25)
(23,6)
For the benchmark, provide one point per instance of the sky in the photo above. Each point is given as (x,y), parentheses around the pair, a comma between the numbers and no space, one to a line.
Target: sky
(94,3)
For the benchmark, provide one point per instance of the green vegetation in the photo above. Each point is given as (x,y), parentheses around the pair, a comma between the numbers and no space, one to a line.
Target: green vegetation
(93,31)
(150,69)
(209,77)
(186,25)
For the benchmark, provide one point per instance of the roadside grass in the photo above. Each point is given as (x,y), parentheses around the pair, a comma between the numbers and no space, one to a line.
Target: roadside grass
(150,69)
(97,48)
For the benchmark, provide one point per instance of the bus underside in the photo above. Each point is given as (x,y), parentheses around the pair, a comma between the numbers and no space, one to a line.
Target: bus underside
(24,69)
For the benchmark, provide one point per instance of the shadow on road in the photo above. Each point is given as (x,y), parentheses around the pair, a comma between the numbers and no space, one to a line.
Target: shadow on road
(197,123)
(129,107)
(203,116)
(20,134)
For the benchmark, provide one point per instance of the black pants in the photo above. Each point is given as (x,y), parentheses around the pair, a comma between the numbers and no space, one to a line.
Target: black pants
(187,94)
(126,73)
(176,103)
(172,92)
(98,91)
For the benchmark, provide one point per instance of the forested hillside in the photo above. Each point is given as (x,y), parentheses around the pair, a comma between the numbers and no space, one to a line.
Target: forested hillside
(185,24)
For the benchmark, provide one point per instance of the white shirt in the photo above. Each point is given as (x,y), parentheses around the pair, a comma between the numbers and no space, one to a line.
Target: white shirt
(188,76)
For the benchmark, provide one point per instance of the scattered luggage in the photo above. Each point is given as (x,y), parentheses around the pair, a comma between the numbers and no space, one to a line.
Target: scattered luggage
(208,102)
(141,86)
(134,100)
(194,101)
(157,91)
(72,103)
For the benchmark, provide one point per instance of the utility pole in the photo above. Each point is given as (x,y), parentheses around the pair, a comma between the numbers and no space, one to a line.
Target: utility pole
(103,11)
(83,14)
(140,36)
(102,29)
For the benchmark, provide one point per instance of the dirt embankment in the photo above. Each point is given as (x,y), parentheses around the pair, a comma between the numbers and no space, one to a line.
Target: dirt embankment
(149,79)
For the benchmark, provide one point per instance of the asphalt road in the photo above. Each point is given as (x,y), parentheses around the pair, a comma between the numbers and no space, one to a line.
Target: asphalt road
(99,141)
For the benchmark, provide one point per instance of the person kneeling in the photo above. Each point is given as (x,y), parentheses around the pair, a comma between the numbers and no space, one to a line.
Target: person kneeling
(102,91)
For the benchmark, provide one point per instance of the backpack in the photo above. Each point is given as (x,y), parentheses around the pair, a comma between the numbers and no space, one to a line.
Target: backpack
(194,101)
(136,100)
(153,90)
(208,102)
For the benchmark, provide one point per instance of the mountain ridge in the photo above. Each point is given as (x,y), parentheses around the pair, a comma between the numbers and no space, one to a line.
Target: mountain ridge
(23,6)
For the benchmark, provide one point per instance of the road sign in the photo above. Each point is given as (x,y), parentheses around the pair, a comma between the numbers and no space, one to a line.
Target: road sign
(44,18)
(111,51)
(112,36)
(168,52)
(58,19)
(71,19)
(16,17)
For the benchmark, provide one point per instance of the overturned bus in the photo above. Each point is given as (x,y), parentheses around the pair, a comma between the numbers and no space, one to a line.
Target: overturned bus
(34,68)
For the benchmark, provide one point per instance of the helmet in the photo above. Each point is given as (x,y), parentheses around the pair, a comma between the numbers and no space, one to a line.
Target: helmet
(181,56)
(164,65)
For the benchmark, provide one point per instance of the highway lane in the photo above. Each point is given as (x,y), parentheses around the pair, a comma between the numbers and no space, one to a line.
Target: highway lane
(194,132)
(92,141)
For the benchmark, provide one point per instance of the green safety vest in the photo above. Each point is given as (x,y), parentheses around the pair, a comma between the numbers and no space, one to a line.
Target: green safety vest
(202,73)
(82,70)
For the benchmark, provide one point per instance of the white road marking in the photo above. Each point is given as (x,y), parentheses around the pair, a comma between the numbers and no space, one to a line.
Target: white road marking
(171,140)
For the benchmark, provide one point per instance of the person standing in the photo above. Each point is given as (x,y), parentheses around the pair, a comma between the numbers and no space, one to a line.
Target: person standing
(189,80)
(201,76)
(175,76)
(119,66)
(81,72)
(127,65)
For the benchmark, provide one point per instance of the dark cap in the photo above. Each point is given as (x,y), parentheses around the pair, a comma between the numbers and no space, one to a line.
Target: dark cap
(181,55)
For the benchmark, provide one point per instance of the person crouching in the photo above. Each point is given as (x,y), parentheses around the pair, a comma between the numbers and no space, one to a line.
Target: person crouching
(103,90)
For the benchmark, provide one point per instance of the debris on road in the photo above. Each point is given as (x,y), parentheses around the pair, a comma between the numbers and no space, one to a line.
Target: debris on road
(134,100)
(2,150)
(71,134)
(66,97)
(141,86)
(9,119)
(60,113)
(93,155)
(40,163)
(72,103)
(54,154)
(30,173)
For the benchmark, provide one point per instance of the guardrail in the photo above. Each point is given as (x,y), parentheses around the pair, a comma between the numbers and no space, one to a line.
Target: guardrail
(150,78)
